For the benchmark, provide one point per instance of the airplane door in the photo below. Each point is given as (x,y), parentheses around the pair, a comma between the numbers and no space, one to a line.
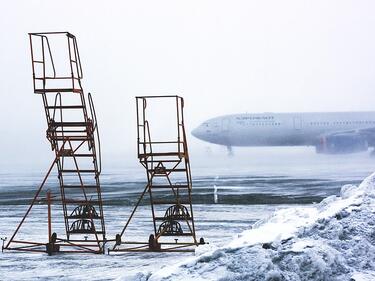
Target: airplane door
(225,125)
(297,121)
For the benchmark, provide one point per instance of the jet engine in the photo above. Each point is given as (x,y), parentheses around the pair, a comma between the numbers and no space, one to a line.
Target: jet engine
(341,143)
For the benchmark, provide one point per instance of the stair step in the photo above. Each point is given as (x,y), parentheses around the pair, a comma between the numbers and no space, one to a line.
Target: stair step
(169,186)
(74,201)
(69,124)
(170,202)
(70,131)
(80,155)
(76,171)
(79,186)
(145,160)
(181,234)
(167,171)
(84,217)
(165,219)
(71,138)
(159,154)
(84,232)
(65,90)
(65,107)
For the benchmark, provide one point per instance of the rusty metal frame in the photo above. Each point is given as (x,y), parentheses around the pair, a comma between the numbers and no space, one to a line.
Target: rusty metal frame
(71,141)
(162,164)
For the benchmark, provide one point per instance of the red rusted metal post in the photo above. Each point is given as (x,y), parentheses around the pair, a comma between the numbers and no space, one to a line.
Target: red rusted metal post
(49,215)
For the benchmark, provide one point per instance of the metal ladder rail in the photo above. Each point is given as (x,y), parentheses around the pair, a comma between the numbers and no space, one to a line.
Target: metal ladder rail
(43,62)
(147,136)
(60,168)
(187,165)
(189,183)
(97,164)
(74,59)
(179,119)
(86,199)
(60,164)
(58,151)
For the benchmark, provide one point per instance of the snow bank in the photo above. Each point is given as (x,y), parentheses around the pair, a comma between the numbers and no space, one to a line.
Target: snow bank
(332,240)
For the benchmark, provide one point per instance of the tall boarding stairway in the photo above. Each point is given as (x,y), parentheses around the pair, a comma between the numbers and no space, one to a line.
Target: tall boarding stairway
(72,131)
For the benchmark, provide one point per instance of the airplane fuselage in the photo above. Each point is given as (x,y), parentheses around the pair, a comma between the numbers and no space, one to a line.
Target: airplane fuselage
(280,129)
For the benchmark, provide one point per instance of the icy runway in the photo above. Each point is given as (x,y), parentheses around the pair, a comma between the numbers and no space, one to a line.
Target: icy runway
(215,223)
(320,248)
(331,240)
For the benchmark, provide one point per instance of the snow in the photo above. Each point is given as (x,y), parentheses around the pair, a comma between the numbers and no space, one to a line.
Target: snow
(332,240)
(363,276)
(216,224)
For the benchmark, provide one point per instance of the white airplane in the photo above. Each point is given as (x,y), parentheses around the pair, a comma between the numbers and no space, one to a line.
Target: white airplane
(329,132)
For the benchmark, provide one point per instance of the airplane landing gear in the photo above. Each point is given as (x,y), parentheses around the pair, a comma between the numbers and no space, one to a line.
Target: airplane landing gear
(230,151)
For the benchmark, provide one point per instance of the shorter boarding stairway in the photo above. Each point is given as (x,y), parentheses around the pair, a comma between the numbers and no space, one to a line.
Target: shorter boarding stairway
(169,184)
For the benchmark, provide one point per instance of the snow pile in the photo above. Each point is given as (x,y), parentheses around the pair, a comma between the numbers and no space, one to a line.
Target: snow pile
(332,240)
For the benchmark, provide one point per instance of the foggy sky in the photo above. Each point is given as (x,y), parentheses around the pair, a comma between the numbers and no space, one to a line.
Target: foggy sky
(222,56)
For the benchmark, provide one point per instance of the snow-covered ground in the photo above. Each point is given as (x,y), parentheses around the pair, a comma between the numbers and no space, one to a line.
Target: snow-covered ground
(285,235)
(218,224)
(332,240)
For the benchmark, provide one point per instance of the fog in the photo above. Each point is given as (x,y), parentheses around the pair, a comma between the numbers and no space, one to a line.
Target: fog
(223,57)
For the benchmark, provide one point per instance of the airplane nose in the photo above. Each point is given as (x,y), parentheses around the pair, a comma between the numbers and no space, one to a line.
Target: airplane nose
(197,132)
